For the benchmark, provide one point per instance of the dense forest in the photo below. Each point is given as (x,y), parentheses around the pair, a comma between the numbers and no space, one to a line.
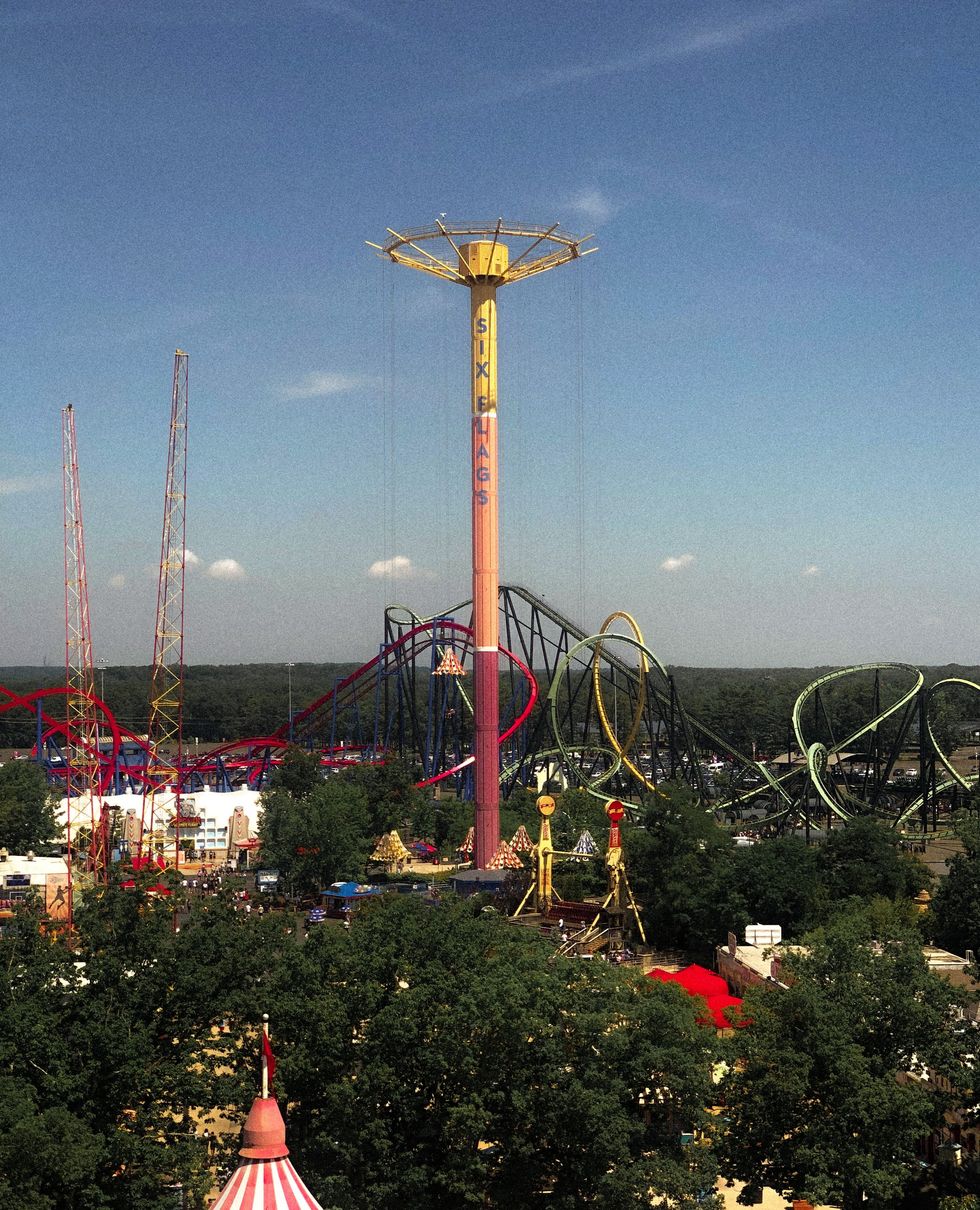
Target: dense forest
(750,707)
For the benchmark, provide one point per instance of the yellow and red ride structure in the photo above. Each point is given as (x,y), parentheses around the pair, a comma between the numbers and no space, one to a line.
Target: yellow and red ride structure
(87,844)
(165,729)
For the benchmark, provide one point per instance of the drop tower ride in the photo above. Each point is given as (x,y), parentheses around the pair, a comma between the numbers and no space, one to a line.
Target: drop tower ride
(473,255)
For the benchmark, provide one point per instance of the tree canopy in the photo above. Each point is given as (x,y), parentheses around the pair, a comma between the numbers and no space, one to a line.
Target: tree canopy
(429,1056)
(27,816)
(819,1104)
(448,1062)
(955,915)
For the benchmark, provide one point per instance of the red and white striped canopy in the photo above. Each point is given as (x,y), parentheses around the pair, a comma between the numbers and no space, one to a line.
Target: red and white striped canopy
(266,1180)
(521,842)
(266,1185)
(505,858)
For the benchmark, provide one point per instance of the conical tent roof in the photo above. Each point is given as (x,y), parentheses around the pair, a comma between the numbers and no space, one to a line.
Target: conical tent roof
(265,1180)
(521,841)
(390,848)
(585,847)
(266,1184)
(449,665)
(467,845)
(505,858)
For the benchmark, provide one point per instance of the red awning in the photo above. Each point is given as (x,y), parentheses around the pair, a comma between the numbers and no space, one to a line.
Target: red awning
(718,1006)
(140,863)
(699,981)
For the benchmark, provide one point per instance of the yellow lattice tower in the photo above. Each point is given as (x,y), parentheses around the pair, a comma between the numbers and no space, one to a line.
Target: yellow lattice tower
(165,728)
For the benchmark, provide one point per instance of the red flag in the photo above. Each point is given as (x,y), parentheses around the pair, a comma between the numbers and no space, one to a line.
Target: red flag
(270,1058)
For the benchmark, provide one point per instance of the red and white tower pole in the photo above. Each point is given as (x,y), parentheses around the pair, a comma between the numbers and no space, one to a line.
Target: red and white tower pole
(484,264)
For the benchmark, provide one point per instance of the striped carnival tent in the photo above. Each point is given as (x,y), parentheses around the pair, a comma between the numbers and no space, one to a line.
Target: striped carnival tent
(467,845)
(265,1180)
(521,842)
(505,858)
(585,847)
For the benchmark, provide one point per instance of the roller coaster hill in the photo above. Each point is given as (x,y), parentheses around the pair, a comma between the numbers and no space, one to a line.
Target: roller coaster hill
(597,711)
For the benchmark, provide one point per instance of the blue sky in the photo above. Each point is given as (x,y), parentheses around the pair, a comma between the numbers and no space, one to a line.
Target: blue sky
(750,419)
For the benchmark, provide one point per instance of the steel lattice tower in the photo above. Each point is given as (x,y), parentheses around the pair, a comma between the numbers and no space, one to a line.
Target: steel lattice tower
(165,728)
(83,809)
(482,264)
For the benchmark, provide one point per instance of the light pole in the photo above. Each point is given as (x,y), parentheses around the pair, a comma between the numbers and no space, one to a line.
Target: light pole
(289,681)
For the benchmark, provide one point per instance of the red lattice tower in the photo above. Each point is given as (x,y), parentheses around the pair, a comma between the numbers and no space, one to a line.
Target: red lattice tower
(165,729)
(87,847)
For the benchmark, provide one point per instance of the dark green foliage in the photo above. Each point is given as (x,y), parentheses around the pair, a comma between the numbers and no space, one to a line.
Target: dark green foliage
(404,1046)
(955,916)
(222,702)
(696,885)
(780,881)
(681,867)
(815,1105)
(27,818)
(298,773)
(863,860)
(106,1049)
(316,832)
(436,1058)
(322,837)
(390,795)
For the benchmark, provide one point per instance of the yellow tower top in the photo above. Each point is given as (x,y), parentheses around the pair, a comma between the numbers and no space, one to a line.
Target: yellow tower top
(484,259)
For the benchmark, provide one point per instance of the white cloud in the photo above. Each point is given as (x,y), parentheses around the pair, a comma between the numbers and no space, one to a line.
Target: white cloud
(191,559)
(694,42)
(348,12)
(399,567)
(226,569)
(811,569)
(117,581)
(676,562)
(592,205)
(319,386)
(25,483)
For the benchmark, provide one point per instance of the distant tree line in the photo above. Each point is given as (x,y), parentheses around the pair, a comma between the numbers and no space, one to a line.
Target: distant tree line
(221,701)
(751,708)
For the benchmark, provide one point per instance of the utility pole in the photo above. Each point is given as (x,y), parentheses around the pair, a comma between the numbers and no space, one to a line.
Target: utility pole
(289,678)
